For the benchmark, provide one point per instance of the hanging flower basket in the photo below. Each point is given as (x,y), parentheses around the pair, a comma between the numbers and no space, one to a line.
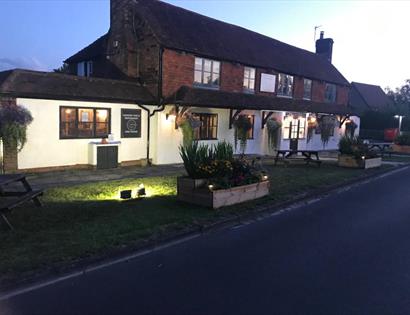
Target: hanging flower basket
(242,125)
(273,127)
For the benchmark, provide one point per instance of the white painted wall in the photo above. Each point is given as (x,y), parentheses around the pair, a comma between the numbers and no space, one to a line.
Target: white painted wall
(168,139)
(44,147)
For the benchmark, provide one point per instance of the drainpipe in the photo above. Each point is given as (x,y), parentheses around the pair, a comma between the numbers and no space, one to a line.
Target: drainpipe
(149,115)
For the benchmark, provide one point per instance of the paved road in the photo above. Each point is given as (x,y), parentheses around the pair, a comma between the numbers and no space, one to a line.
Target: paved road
(346,254)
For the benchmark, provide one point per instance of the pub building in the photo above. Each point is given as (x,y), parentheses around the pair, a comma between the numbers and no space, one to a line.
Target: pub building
(119,101)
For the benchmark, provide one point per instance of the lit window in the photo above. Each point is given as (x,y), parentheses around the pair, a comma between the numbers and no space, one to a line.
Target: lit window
(84,122)
(307,89)
(249,79)
(330,93)
(209,127)
(207,72)
(285,85)
(268,83)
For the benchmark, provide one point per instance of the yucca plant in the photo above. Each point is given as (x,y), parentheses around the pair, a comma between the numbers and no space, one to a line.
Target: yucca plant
(223,151)
(194,155)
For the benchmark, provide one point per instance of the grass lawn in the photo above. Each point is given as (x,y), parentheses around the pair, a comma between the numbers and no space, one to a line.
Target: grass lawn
(88,220)
(397,158)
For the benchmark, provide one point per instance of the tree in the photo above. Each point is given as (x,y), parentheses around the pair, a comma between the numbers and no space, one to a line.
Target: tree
(401,98)
(63,69)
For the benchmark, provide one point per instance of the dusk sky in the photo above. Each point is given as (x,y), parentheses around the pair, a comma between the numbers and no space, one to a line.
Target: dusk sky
(371,37)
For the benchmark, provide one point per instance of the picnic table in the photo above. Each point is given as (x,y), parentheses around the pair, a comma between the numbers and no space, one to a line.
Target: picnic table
(381,146)
(20,196)
(293,155)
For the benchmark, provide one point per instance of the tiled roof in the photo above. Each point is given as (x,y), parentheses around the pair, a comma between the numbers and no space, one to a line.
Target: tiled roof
(93,50)
(48,85)
(185,30)
(369,97)
(212,98)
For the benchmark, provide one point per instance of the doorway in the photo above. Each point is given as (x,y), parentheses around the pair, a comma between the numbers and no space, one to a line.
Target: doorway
(296,132)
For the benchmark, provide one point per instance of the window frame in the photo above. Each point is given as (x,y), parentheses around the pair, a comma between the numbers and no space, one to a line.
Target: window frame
(278,90)
(200,115)
(202,83)
(87,68)
(311,89)
(76,122)
(247,79)
(335,94)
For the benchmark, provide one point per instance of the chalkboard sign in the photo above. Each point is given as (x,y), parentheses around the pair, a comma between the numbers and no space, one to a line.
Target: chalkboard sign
(130,123)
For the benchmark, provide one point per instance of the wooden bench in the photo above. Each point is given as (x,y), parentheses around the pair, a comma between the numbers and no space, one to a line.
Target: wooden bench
(288,156)
(20,197)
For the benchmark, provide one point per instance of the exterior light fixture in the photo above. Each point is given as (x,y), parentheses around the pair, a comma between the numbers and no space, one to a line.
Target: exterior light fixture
(141,191)
(126,194)
(211,187)
(265,177)
(363,157)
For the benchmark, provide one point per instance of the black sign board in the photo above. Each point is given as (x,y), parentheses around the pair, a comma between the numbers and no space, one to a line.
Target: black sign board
(130,123)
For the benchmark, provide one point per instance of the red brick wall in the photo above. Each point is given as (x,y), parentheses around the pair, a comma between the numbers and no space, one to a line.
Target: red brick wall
(342,95)
(318,91)
(177,70)
(298,87)
(232,77)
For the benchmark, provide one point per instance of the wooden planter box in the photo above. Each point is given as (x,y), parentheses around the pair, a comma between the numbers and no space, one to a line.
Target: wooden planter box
(352,162)
(222,197)
(401,148)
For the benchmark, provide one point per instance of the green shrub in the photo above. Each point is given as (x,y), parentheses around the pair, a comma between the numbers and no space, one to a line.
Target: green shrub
(355,146)
(193,155)
(403,139)
(223,151)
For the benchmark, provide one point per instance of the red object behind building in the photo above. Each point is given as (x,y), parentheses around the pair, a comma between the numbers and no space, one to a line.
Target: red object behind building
(390,134)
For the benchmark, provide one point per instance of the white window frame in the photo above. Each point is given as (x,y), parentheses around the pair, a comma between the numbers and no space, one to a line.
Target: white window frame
(249,75)
(212,72)
(283,81)
(304,89)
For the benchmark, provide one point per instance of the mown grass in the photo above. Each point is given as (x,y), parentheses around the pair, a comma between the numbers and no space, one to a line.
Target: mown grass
(88,220)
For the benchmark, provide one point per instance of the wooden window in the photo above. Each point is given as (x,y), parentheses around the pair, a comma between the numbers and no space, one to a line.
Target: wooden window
(307,89)
(207,72)
(85,122)
(249,79)
(209,127)
(330,93)
(285,85)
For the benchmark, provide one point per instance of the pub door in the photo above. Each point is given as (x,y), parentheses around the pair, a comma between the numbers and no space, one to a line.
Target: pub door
(296,132)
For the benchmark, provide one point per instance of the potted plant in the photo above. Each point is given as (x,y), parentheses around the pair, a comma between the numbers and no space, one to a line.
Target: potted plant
(326,126)
(355,154)
(242,125)
(273,127)
(402,144)
(215,178)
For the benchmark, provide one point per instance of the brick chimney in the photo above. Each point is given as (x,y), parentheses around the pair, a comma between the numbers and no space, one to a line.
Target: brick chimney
(324,47)
(121,47)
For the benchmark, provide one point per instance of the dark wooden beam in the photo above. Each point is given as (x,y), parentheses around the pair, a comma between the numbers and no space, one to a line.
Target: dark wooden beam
(265,117)
(233,114)
(176,115)
(342,120)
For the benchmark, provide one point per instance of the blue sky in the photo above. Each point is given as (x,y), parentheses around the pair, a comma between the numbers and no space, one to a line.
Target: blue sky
(370,36)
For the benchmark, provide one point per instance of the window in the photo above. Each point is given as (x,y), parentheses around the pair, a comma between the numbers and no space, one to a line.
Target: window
(207,72)
(209,127)
(285,85)
(330,93)
(294,129)
(249,79)
(78,122)
(307,89)
(268,83)
(85,69)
